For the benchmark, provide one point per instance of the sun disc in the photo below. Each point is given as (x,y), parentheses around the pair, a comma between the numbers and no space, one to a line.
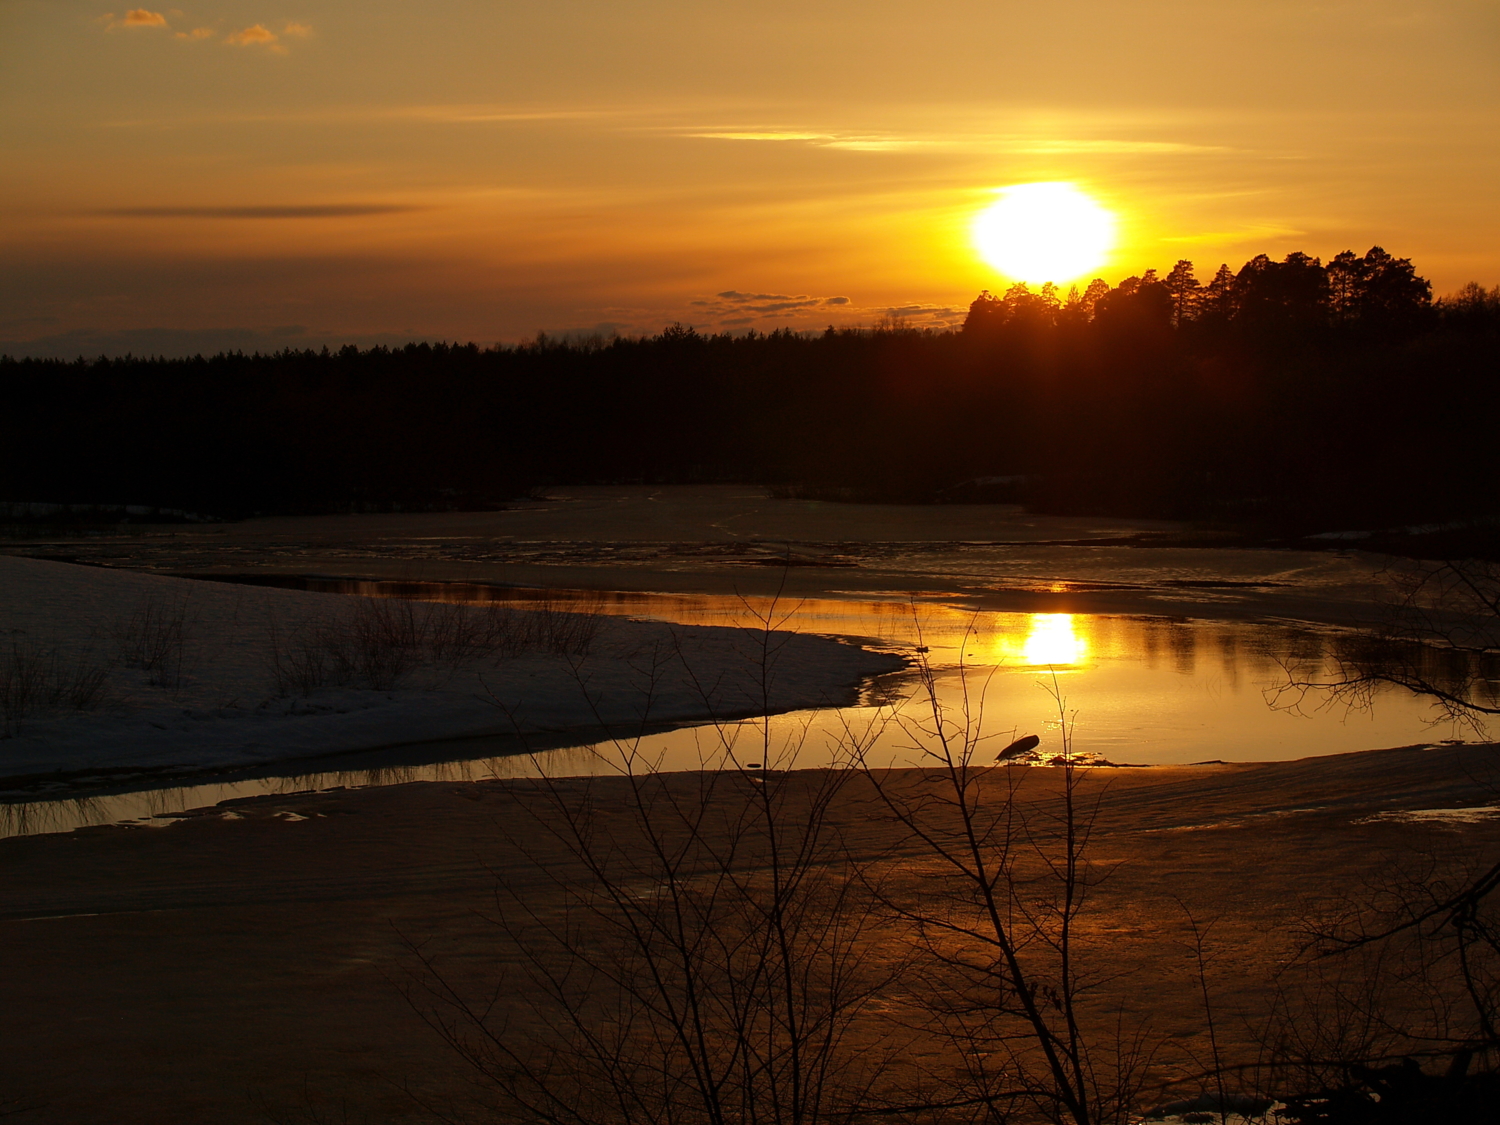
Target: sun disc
(1044,232)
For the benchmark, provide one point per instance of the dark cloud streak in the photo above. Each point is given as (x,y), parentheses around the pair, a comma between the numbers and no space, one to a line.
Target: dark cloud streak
(732,301)
(305,211)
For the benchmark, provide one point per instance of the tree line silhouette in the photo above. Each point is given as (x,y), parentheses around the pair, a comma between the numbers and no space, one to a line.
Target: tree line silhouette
(1289,394)
(1376,292)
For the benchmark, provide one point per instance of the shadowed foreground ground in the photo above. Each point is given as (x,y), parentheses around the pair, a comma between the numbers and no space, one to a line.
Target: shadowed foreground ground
(238,969)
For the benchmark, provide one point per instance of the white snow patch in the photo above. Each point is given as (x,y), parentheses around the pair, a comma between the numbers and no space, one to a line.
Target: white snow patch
(223,710)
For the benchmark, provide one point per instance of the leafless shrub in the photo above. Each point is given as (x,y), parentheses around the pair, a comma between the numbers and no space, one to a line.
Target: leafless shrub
(705,956)
(1406,973)
(36,681)
(371,643)
(154,638)
(377,642)
(994,921)
(564,629)
(711,954)
(1429,934)
(1438,636)
(721,957)
(1326,1016)
(299,662)
(455,635)
(1391,1012)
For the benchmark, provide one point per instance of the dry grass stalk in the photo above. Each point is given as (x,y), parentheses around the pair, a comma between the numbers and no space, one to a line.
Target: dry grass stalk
(155,638)
(376,643)
(36,681)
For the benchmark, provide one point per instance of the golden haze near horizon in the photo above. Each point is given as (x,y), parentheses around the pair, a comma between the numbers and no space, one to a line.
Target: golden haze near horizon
(322,169)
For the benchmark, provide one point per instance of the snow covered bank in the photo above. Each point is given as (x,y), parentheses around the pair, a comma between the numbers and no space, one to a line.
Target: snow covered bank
(191,678)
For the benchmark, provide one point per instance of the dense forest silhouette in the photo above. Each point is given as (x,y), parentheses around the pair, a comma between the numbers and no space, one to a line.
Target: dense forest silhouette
(1291,394)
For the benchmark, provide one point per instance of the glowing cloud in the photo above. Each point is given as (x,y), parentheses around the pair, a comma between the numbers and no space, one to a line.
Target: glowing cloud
(251,36)
(197,33)
(762,135)
(136,17)
(299,30)
(1016,143)
(857,142)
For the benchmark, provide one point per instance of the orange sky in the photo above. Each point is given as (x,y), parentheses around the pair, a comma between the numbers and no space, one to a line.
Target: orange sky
(303,171)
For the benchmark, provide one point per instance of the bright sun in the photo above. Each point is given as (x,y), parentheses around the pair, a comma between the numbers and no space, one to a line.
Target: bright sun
(1044,232)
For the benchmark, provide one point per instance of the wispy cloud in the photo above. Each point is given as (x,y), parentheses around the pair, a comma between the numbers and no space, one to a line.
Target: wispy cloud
(1018,143)
(1259,233)
(857,142)
(136,17)
(871,144)
(758,135)
(256,35)
(252,36)
(479,115)
(295,211)
(1063,145)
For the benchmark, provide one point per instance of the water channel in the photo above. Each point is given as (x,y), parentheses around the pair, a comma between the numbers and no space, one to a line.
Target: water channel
(1131,690)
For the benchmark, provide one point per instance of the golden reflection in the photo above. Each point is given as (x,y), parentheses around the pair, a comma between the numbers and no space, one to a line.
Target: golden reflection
(1053,640)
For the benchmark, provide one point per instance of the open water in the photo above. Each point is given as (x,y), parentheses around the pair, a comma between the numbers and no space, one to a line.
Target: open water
(1126,690)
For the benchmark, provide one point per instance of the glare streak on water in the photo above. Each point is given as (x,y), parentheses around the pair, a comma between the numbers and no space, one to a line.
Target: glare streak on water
(1132,690)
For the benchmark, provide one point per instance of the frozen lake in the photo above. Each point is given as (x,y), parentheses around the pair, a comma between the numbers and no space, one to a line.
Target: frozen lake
(1134,690)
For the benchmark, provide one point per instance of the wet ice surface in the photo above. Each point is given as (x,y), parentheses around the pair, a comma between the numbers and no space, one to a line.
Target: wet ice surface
(1132,690)
(1083,575)
(1455,817)
(729,539)
(1161,653)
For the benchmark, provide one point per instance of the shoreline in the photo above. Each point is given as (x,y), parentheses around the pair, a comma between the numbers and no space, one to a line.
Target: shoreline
(248,952)
(735,540)
(187,674)
(31,807)
(447,728)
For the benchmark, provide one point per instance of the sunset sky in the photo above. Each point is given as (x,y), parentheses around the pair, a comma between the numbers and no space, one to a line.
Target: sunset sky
(248,172)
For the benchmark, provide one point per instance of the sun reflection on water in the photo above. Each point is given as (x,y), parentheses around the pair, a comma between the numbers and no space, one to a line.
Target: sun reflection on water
(1053,641)
(1154,690)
